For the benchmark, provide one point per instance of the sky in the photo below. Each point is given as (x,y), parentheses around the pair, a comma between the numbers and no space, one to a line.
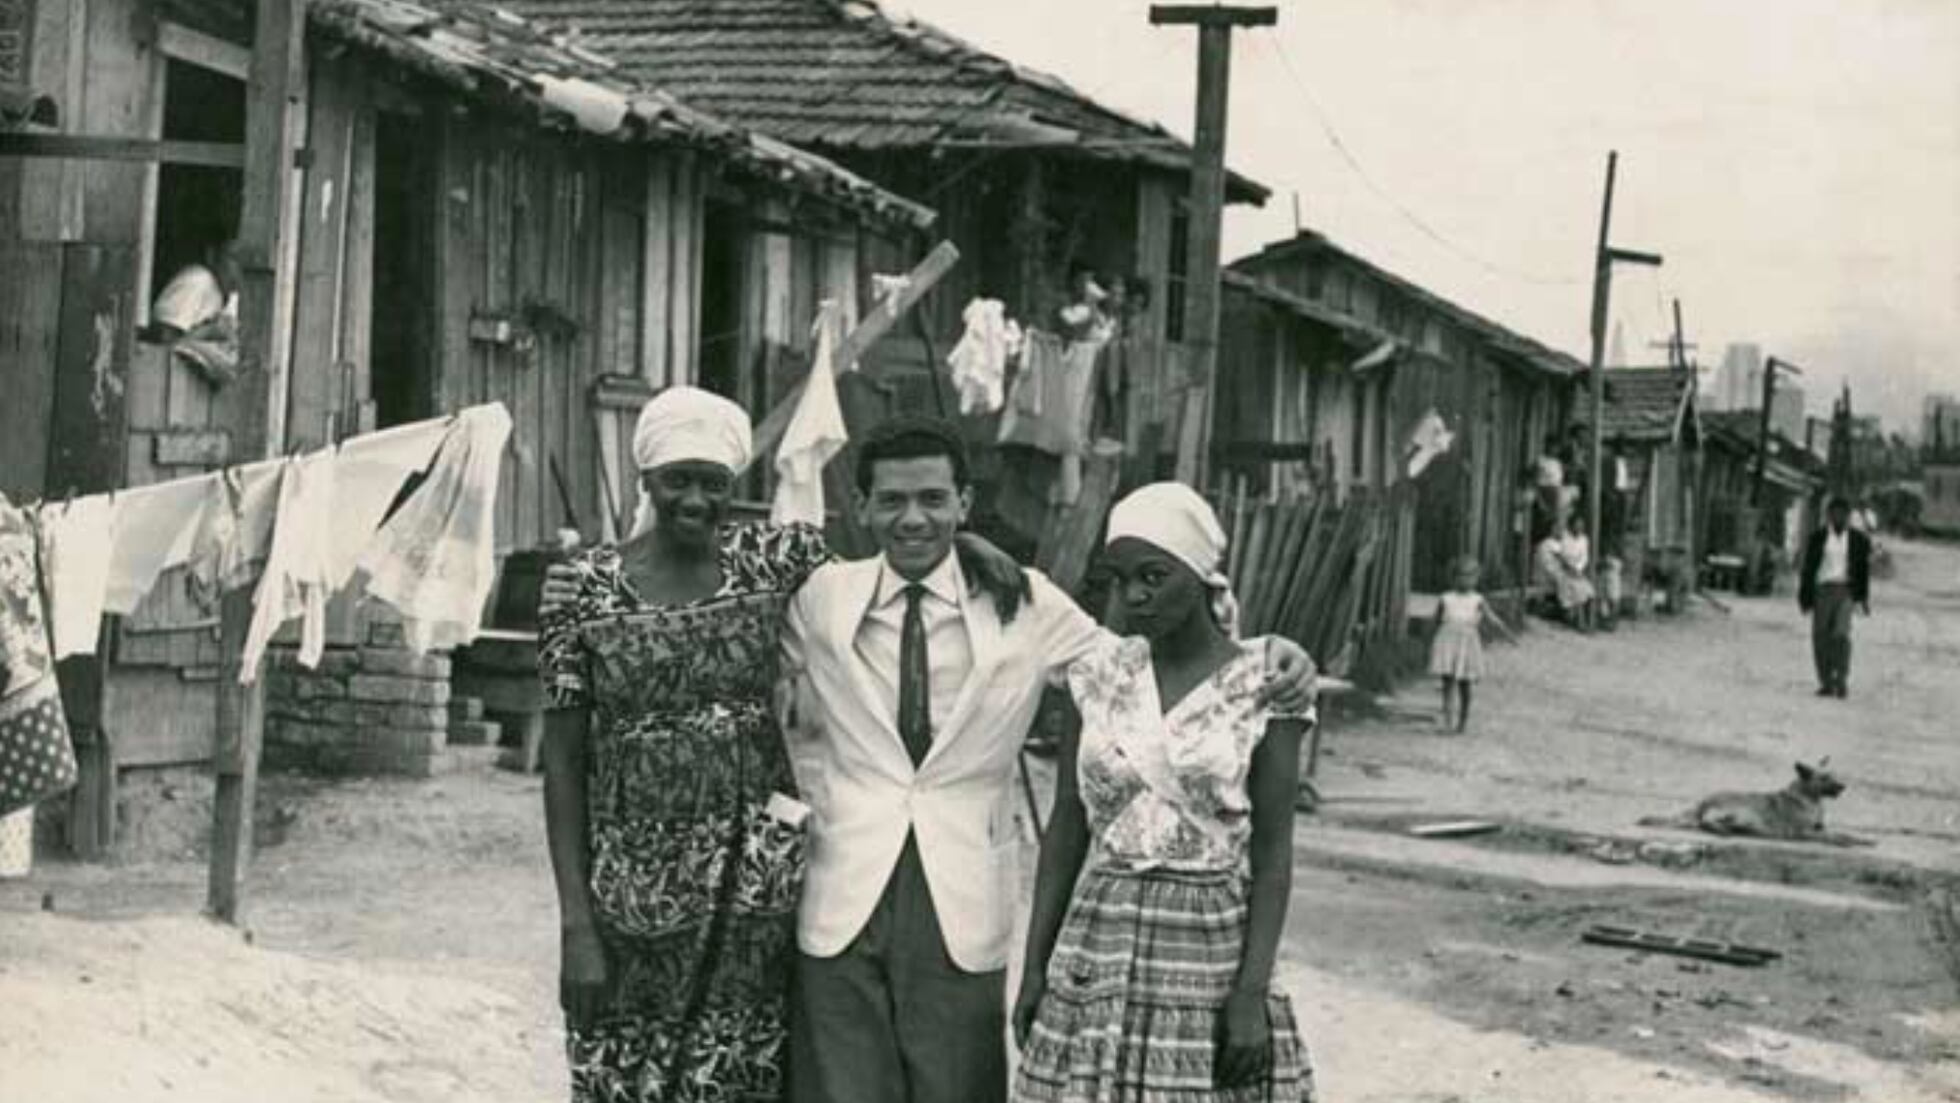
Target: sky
(1797,163)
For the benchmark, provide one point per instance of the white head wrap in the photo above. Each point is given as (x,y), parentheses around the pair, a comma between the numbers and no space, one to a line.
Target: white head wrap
(1173,517)
(687,423)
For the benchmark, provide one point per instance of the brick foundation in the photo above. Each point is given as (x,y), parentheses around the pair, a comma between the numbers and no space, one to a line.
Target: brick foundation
(377,709)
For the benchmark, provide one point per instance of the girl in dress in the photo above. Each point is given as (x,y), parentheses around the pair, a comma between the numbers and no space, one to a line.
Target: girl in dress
(1165,873)
(1457,653)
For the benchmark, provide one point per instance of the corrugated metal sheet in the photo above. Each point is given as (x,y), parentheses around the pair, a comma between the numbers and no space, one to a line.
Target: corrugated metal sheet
(843,74)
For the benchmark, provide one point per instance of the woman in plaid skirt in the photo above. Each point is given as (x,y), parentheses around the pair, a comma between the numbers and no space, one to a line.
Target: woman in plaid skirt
(1165,873)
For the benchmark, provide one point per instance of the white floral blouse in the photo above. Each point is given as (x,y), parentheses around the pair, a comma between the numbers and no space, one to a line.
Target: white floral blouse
(1168,790)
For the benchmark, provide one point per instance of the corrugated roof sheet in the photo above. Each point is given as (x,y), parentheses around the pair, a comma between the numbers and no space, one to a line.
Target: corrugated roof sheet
(1641,404)
(843,74)
(482,49)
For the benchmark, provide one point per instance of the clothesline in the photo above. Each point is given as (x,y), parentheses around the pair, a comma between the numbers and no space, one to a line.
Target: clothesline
(300,528)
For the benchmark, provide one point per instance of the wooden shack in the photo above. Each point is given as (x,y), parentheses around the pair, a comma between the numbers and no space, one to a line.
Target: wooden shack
(1653,424)
(481,212)
(1764,529)
(1327,365)
(1032,180)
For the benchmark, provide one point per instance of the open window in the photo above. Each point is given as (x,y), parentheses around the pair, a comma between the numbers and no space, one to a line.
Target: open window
(188,276)
(197,206)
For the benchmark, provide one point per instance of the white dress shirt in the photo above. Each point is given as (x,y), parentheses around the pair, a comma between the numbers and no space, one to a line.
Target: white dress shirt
(1836,563)
(949,649)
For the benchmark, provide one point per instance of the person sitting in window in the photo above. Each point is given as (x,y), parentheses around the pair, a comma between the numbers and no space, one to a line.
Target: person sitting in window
(196,313)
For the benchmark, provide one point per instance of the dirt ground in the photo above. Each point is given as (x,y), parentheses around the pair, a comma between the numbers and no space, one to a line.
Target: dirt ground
(401,934)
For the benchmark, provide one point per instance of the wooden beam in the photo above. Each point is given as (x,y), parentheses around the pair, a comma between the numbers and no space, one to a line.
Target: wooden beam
(1212,15)
(878,322)
(1201,276)
(174,40)
(278,57)
(86,147)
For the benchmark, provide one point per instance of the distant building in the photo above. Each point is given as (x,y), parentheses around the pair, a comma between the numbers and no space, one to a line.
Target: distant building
(1786,409)
(1739,381)
(1939,429)
(1940,510)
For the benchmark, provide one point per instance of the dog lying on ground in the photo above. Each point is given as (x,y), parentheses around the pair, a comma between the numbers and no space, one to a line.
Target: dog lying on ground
(1795,812)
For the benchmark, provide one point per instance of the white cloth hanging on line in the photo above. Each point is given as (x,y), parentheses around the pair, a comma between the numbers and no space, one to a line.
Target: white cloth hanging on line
(434,561)
(223,526)
(75,550)
(816,432)
(1431,438)
(295,580)
(153,530)
(979,361)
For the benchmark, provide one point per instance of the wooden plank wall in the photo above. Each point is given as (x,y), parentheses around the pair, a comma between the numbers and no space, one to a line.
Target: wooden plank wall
(609,238)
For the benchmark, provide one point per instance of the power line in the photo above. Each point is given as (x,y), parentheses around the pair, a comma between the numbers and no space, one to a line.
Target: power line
(1354,164)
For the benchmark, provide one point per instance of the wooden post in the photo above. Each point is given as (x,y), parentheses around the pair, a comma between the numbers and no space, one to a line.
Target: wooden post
(1215,24)
(1770,367)
(1603,258)
(278,55)
(1602,292)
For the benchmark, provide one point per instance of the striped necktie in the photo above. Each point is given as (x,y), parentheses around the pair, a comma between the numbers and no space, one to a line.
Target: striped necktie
(914,685)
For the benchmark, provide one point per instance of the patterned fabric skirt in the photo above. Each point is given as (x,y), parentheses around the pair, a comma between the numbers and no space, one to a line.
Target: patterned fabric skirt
(1135,987)
(1457,652)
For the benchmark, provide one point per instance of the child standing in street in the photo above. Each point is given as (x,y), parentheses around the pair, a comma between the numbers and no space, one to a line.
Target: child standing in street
(1457,653)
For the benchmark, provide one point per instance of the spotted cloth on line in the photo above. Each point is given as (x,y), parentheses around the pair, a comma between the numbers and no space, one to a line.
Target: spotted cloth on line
(36,758)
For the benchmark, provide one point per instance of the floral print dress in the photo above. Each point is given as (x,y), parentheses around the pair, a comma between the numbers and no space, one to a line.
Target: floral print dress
(695,869)
(1156,925)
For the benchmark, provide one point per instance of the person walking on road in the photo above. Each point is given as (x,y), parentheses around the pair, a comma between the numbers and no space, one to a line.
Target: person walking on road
(1835,577)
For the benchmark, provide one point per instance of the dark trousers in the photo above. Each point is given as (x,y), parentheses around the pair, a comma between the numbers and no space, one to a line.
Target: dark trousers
(1830,634)
(892,1019)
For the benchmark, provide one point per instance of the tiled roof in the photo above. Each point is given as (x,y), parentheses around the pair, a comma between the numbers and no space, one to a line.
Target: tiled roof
(841,74)
(1641,404)
(483,50)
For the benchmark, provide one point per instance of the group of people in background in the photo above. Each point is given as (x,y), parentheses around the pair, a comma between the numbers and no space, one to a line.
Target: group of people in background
(1562,553)
(779,803)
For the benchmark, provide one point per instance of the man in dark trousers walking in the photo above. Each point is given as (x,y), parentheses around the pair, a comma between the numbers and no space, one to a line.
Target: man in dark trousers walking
(1836,576)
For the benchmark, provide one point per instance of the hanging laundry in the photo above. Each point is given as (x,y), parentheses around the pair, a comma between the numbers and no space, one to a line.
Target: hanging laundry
(154,529)
(294,581)
(1061,375)
(36,758)
(434,559)
(234,539)
(75,545)
(816,433)
(1430,439)
(979,361)
(369,473)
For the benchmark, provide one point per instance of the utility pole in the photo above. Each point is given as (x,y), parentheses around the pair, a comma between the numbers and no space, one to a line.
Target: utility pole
(1215,24)
(1770,367)
(1677,346)
(1604,256)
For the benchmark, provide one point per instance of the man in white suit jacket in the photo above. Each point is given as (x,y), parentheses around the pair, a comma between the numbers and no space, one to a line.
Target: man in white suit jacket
(900,991)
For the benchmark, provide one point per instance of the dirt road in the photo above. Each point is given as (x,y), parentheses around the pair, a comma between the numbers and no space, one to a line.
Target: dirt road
(403,933)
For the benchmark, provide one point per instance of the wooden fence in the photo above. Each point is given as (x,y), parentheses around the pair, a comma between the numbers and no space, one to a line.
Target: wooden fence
(1332,576)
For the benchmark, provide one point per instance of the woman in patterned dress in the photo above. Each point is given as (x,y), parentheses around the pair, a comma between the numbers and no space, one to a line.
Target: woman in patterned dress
(1165,873)
(676,836)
